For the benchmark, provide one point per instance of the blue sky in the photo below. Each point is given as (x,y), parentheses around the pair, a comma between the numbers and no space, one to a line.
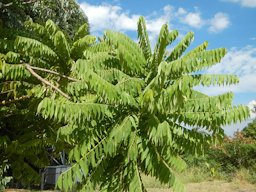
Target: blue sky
(223,23)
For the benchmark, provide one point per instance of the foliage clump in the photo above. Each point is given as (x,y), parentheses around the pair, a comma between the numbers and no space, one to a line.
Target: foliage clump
(121,108)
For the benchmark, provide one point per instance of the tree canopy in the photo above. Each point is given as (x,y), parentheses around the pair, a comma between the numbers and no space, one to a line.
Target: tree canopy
(13,13)
(65,13)
(121,108)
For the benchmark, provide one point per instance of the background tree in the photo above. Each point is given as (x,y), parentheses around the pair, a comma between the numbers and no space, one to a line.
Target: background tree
(25,135)
(123,110)
(67,14)
(250,130)
(13,13)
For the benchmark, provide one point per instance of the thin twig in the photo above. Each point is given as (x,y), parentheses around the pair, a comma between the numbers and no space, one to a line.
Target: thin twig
(28,67)
(53,72)
(6,102)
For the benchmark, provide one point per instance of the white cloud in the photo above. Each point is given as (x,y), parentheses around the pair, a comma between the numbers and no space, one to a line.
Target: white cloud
(244,3)
(181,11)
(219,22)
(237,61)
(108,16)
(241,62)
(193,20)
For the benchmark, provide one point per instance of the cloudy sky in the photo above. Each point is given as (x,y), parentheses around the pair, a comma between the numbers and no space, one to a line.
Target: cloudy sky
(223,23)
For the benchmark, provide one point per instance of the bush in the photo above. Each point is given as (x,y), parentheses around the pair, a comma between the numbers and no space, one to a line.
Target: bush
(3,179)
(234,158)
(235,153)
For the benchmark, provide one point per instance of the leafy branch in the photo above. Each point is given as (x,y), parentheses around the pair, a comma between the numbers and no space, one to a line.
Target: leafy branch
(53,72)
(28,67)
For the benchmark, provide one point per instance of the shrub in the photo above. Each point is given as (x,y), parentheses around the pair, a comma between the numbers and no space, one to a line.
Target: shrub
(4,180)
(234,158)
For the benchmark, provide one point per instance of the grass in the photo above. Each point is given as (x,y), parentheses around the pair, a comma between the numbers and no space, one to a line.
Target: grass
(206,186)
(213,186)
(202,180)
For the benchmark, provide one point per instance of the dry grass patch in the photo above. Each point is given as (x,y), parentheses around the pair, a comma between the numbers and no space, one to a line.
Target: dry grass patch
(213,186)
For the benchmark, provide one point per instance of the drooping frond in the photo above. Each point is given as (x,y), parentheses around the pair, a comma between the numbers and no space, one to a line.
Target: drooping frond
(14,72)
(77,89)
(128,52)
(73,112)
(163,41)
(38,29)
(131,85)
(112,75)
(93,62)
(172,36)
(136,183)
(81,32)
(92,155)
(206,103)
(107,91)
(210,119)
(51,28)
(155,165)
(81,45)
(199,48)
(62,47)
(181,47)
(12,57)
(143,38)
(199,61)
(120,133)
(102,46)
(35,48)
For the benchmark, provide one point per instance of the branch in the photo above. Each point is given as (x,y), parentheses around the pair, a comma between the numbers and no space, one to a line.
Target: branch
(5,102)
(53,72)
(28,67)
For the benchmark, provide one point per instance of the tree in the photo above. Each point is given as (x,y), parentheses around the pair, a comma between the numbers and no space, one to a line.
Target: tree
(250,130)
(25,135)
(65,13)
(13,13)
(123,109)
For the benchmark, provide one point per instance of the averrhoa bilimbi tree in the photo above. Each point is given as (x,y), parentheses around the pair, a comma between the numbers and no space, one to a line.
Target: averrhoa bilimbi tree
(128,110)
